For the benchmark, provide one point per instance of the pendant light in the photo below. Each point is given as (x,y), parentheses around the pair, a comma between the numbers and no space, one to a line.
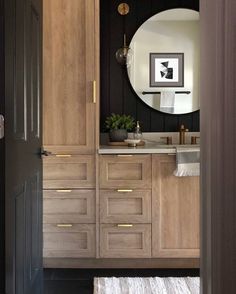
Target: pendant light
(124,54)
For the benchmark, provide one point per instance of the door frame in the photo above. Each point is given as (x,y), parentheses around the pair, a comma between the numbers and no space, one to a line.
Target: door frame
(2,157)
(2,149)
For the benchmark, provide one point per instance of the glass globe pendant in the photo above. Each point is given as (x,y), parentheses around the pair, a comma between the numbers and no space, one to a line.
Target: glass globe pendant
(124,54)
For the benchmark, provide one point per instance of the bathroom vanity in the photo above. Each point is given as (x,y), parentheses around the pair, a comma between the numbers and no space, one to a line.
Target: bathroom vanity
(139,210)
(113,207)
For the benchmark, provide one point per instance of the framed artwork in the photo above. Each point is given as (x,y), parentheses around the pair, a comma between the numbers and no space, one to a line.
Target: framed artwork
(166,69)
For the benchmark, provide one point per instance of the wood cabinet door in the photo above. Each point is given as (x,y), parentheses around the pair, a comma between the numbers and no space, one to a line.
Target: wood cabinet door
(69,206)
(69,172)
(125,241)
(125,171)
(70,67)
(176,213)
(68,240)
(127,207)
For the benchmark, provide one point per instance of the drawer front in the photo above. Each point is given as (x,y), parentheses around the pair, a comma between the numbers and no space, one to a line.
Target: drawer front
(73,171)
(69,241)
(125,171)
(120,206)
(69,206)
(125,241)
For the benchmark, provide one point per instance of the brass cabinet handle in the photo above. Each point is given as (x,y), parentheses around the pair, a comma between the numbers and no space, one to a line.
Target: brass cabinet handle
(94,91)
(124,190)
(124,155)
(64,191)
(63,155)
(124,225)
(64,225)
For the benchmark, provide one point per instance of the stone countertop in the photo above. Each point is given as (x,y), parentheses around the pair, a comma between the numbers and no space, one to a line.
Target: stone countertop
(148,148)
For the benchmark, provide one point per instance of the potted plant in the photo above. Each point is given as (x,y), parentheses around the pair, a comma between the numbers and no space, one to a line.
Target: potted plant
(119,125)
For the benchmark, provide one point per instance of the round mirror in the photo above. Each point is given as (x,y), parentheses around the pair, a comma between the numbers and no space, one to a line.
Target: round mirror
(164,69)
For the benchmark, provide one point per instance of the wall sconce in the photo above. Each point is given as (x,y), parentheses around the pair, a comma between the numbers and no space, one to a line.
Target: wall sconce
(124,54)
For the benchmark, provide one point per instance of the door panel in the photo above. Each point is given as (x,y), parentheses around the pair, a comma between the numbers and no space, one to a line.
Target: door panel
(19,95)
(23,145)
(20,236)
(35,72)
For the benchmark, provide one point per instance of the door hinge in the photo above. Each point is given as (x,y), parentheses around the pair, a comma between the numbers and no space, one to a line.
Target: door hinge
(2,127)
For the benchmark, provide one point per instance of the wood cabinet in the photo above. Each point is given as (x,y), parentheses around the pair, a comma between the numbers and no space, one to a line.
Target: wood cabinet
(125,241)
(69,240)
(125,171)
(70,59)
(125,206)
(69,206)
(70,126)
(175,211)
(72,172)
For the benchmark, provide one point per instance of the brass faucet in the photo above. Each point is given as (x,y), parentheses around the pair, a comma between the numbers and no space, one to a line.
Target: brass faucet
(182,132)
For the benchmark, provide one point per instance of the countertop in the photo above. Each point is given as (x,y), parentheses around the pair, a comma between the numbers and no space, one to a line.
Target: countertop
(146,149)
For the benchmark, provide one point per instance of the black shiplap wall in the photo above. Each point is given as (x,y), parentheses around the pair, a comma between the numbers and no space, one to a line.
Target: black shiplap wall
(117,94)
(2,180)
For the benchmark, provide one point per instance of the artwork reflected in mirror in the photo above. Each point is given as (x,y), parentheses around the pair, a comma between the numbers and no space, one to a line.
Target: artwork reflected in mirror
(164,69)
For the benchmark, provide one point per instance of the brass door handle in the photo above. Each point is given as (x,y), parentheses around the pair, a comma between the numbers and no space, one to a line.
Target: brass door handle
(64,191)
(124,190)
(45,152)
(94,92)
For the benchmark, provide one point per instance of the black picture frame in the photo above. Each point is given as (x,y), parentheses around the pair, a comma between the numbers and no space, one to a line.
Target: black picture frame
(168,71)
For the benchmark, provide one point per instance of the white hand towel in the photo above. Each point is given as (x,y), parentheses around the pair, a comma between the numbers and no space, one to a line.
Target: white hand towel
(167,101)
(187,162)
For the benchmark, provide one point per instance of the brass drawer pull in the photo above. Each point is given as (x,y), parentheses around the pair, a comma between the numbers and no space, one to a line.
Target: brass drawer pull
(64,225)
(124,190)
(171,154)
(124,225)
(63,155)
(124,155)
(64,191)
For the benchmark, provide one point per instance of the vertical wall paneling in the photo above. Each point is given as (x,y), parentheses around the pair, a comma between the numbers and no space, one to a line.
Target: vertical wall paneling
(117,95)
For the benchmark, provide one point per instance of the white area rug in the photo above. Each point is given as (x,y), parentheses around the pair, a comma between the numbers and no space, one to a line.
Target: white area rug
(147,285)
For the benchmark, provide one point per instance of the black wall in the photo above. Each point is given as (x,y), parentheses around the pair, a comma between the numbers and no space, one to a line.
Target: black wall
(2,155)
(117,94)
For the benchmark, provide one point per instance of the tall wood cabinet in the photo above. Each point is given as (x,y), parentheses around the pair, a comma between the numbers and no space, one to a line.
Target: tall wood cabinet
(70,126)
(70,76)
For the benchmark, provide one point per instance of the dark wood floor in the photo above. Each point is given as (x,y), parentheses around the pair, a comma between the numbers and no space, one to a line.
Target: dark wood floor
(80,281)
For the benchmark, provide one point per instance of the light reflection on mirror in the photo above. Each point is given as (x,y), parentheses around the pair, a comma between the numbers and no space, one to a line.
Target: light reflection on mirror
(169,32)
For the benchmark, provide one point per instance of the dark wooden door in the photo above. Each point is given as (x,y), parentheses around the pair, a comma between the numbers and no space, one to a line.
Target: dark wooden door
(2,144)
(23,145)
(218,142)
